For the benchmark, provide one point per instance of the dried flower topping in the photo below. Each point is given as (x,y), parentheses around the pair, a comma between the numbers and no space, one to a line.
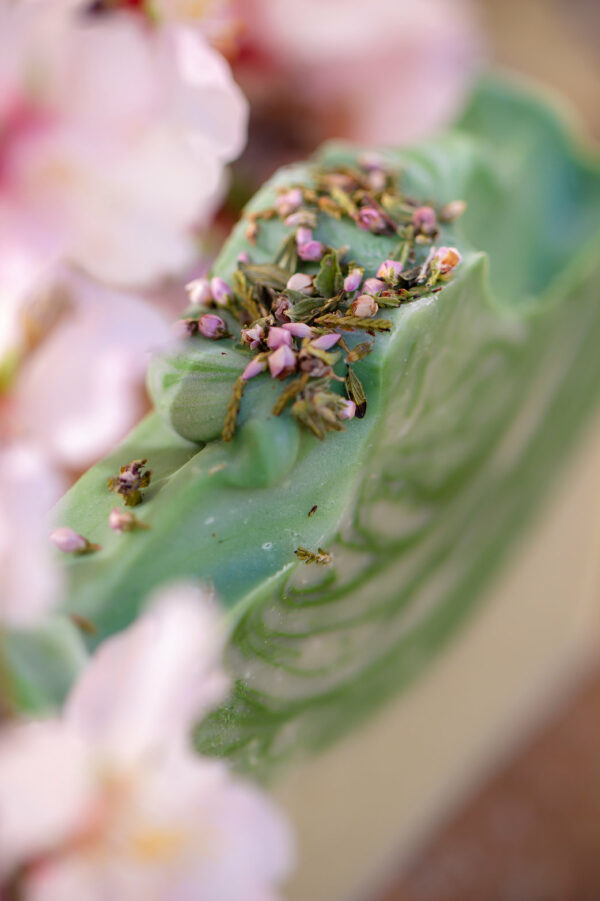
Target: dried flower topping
(70,542)
(130,481)
(292,320)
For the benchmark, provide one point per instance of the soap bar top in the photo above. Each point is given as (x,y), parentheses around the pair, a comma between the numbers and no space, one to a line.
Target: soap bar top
(346,559)
(354,246)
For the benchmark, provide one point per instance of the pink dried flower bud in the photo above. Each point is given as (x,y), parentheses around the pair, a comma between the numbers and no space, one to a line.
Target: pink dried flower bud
(220,290)
(243,257)
(365,306)
(288,201)
(370,219)
(253,336)
(312,251)
(453,210)
(424,220)
(446,259)
(254,367)
(303,236)
(389,271)
(326,342)
(298,329)
(353,279)
(307,248)
(373,286)
(212,326)
(301,281)
(282,362)
(349,409)
(199,291)
(69,541)
(277,337)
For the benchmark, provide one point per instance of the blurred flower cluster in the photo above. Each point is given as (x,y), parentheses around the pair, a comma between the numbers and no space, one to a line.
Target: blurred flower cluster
(119,122)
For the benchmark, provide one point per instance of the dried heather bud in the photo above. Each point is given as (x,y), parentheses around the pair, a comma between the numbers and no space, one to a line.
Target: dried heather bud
(390,271)
(288,202)
(371,220)
(373,286)
(70,542)
(221,292)
(348,410)
(212,326)
(364,306)
(199,291)
(253,336)
(326,342)
(254,368)
(184,328)
(424,220)
(453,210)
(278,337)
(131,479)
(446,259)
(123,521)
(282,362)
(353,279)
(308,249)
(298,329)
(302,282)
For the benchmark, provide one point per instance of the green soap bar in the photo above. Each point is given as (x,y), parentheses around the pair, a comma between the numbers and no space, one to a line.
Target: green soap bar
(475,399)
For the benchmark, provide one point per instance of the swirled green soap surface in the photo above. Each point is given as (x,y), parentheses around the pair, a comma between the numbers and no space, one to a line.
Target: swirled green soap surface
(348,549)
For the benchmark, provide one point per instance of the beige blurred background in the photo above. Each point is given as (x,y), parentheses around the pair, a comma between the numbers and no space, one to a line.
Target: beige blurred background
(533,833)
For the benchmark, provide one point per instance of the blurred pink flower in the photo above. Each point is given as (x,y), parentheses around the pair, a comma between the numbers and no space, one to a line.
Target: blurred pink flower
(80,389)
(111,802)
(393,69)
(114,138)
(29,582)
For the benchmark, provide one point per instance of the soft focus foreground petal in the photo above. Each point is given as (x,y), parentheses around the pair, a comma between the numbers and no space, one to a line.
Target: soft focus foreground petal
(29,580)
(105,338)
(210,103)
(149,685)
(45,790)
(355,55)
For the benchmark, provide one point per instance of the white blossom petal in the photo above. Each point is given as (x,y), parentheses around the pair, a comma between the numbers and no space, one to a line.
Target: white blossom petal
(153,681)
(45,789)
(29,580)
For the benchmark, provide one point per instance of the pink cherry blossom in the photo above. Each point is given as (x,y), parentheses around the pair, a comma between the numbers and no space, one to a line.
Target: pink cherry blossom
(350,56)
(107,167)
(110,801)
(29,580)
(74,410)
